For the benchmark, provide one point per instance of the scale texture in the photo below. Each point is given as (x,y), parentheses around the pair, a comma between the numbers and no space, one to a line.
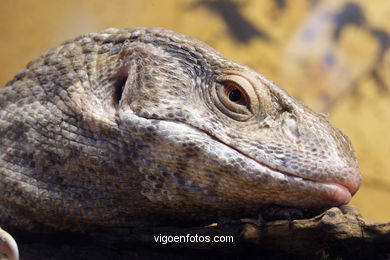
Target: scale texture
(149,127)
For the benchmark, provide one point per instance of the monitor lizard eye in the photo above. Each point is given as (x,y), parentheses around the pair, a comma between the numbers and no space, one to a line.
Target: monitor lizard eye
(234,96)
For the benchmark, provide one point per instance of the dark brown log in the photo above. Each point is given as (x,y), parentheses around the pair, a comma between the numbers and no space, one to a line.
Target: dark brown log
(336,233)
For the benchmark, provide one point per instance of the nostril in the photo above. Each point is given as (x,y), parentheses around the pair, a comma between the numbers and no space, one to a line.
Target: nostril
(118,89)
(119,84)
(291,125)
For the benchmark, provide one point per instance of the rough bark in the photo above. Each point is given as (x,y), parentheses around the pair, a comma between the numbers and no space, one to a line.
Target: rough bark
(336,233)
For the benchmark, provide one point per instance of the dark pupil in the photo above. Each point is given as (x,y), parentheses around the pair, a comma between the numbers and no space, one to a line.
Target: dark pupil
(235,95)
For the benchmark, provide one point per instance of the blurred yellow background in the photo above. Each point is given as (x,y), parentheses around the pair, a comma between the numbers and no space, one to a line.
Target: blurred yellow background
(332,55)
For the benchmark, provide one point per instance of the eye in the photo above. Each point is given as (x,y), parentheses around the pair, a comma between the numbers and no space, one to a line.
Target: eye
(234,95)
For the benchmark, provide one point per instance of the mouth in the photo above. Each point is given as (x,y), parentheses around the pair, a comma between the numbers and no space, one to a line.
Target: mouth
(343,192)
(339,192)
(329,192)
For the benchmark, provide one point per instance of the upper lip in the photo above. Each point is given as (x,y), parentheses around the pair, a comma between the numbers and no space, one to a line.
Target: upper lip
(352,185)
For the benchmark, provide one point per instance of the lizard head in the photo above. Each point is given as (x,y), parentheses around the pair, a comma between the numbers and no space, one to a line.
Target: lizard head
(220,135)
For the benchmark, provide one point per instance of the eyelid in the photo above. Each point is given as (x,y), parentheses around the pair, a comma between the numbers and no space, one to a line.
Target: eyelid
(245,85)
(240,112)
(239,80)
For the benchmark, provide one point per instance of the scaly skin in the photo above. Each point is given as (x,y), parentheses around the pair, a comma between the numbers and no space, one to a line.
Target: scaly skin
(140,127)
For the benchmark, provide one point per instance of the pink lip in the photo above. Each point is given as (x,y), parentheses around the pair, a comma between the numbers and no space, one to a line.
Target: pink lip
(342,192)
(352,186)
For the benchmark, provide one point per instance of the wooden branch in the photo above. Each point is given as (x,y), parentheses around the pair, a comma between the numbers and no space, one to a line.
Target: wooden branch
(338,232)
